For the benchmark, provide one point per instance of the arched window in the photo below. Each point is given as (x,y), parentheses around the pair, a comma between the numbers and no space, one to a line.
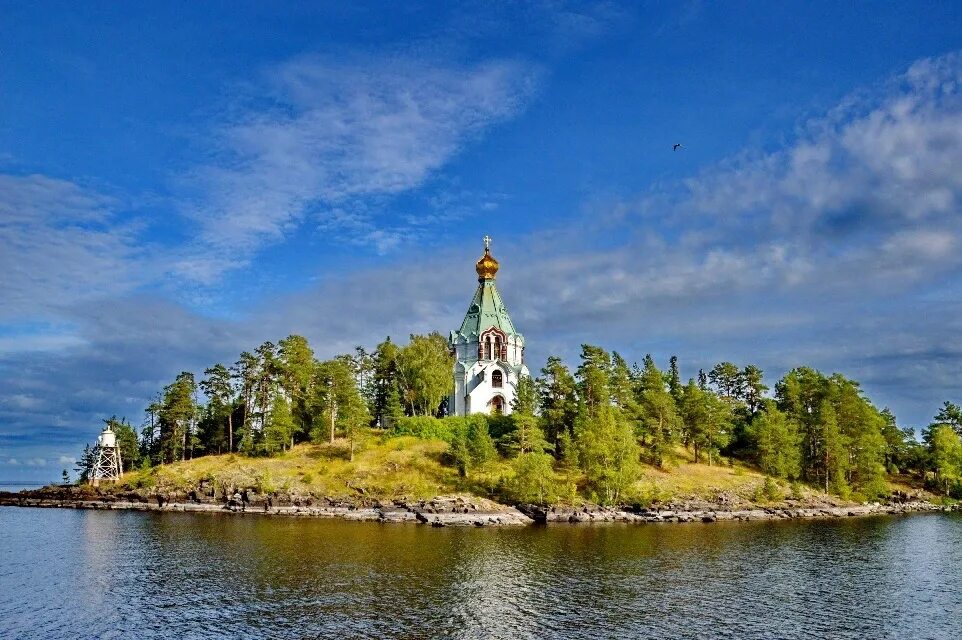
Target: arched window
(487,348)
(497,405)
(497,379)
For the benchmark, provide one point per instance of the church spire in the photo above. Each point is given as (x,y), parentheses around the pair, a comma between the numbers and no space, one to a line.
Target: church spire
(487,266)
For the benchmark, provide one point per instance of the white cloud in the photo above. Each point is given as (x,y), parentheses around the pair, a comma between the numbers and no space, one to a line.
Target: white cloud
(324,133)
(60,243)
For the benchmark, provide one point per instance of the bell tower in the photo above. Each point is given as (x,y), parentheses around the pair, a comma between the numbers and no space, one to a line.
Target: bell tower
(488,350)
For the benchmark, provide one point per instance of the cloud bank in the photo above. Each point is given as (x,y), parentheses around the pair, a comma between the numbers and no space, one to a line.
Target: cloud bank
(838,249)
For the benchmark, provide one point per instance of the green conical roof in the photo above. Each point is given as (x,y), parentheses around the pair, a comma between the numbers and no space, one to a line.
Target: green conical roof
(486,310)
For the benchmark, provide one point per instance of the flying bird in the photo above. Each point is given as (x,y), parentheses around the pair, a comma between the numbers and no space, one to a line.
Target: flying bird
(676,147)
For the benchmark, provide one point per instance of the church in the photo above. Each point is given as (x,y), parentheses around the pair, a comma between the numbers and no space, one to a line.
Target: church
(488,350)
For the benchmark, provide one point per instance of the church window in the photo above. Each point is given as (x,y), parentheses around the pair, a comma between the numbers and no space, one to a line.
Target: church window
(497,405)
(497,379)
(487,348)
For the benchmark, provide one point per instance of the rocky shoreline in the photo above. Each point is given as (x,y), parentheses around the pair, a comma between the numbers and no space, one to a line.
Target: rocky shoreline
(454,510)
(708,515)
(441,511)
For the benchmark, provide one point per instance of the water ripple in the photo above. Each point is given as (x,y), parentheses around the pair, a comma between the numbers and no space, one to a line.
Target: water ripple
(84,574)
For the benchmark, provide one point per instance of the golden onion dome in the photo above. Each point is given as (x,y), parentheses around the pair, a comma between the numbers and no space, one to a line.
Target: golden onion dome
(487,266)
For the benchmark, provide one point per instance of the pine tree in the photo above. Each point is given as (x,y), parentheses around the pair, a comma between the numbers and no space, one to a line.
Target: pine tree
(660,425)
(296,366)
(674,380)
(946,451)
(279,427)
(525,435)
(176,417)
(950,414)
(753,387)
(393,411)
(219,388)
(558,401)
(727,379)
(607,450)
(833,451)
(777,443)
(336,403)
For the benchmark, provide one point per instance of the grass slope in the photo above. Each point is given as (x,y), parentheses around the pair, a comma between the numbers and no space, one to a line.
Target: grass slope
(408,468)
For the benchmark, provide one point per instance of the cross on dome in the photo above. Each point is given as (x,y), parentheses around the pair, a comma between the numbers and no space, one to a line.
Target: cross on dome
(487,266)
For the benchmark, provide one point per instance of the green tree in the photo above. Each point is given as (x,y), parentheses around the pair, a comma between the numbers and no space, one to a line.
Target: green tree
(296,367)
(800,395)
(777,443)
(525,435)
(660,425)
(480,444)
(387,399)
(245,372)
(85,465)
(393,411)
(752,387)
(364,364)
(424,377)
(460,453)
(707,419)
(946,451)
(900,444)
(558,400)
(727,379)
(127,442)
(862,427)
(338,404)
(218,386)
(675,387)
(834,451)
(950,414)
(607,451)
(279,427)
(176,417)
(533,480)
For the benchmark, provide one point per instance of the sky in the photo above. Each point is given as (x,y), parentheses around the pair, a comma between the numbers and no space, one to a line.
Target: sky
(181,181)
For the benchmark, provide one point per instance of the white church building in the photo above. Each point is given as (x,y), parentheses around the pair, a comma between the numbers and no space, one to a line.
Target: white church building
(489,352)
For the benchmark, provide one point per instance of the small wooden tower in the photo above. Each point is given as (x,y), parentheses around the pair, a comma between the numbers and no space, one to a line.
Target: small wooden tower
(107,465)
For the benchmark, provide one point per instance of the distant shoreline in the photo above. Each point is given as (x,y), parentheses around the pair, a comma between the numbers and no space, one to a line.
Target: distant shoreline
(466,510)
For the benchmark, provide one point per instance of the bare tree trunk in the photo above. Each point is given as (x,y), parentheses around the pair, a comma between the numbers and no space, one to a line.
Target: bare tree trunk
(333,419)
(230,429)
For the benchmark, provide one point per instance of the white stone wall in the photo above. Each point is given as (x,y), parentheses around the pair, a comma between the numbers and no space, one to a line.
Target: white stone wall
(473,380)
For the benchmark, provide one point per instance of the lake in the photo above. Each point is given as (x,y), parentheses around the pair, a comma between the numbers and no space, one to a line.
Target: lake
(90,574)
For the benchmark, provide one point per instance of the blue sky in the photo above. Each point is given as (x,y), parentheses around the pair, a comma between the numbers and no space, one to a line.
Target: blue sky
(183,181)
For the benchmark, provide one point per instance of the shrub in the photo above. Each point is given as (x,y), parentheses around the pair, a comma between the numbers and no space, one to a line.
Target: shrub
(769,491)
(533,480)
(428,427)
(797,492)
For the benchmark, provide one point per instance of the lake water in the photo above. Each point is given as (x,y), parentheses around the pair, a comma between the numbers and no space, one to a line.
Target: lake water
(88,574)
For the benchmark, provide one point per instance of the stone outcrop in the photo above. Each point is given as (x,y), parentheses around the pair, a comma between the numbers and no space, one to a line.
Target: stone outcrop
(442,511)
(451,510)
(594,513)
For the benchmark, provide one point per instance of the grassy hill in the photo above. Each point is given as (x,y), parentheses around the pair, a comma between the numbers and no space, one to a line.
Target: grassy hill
(408,468)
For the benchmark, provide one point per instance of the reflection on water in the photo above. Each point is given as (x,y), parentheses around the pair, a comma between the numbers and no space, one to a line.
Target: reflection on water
(68,574)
